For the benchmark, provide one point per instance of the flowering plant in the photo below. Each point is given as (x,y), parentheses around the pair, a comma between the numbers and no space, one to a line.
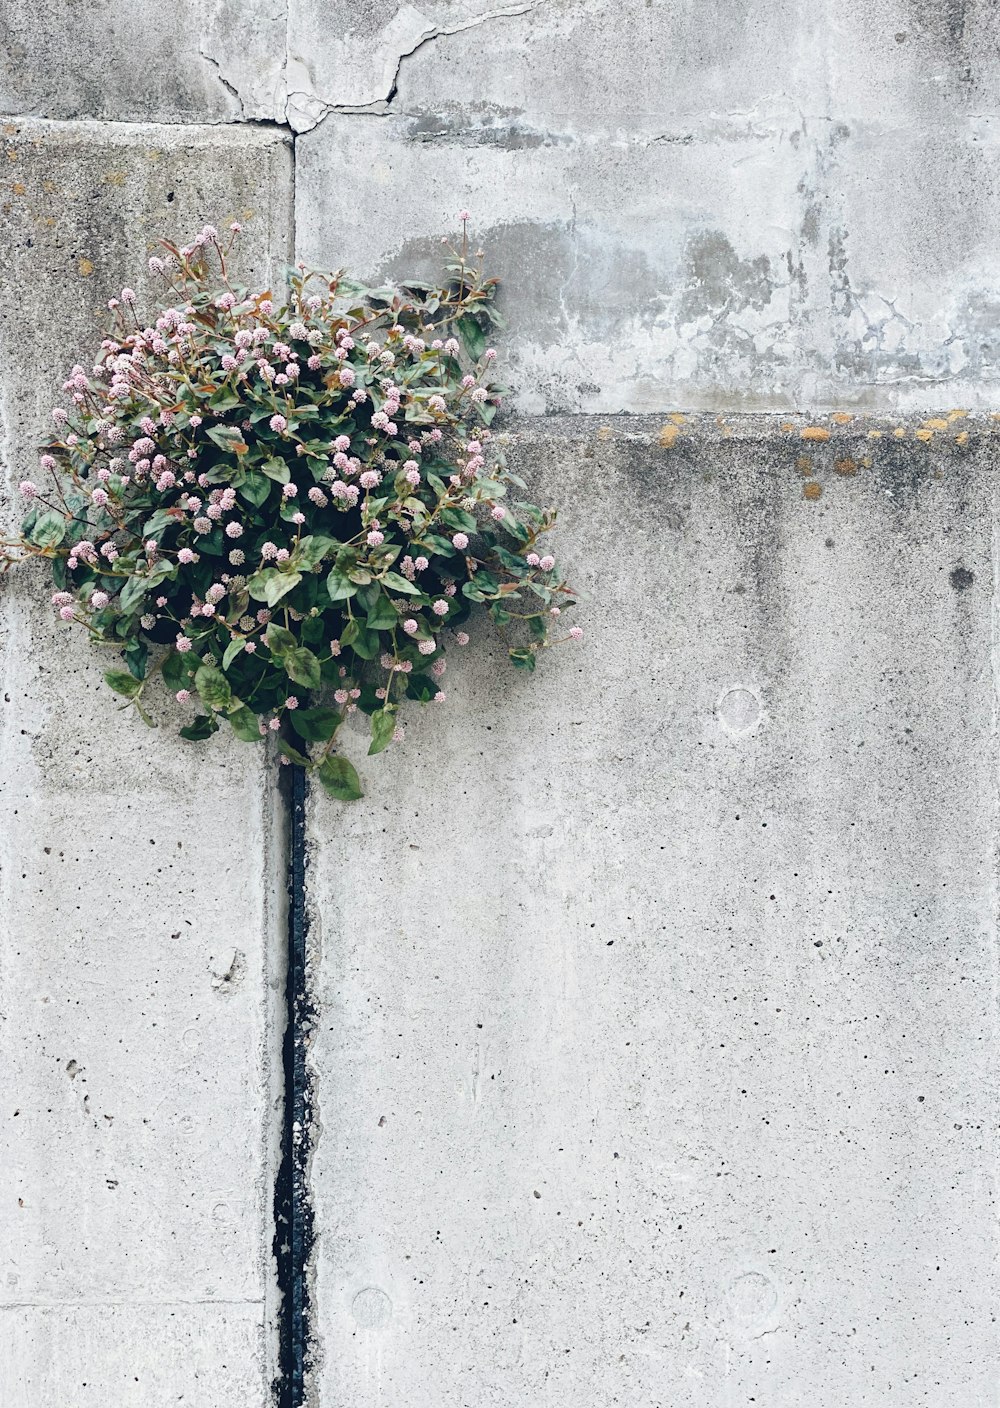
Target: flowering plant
(293,503)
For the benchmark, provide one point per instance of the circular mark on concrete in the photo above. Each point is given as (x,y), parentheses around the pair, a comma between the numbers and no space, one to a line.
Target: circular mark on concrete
(961,578)
(371,1308)
(751,1300)
(738,710)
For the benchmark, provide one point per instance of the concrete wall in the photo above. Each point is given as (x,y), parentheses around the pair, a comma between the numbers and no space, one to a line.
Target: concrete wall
(599,1120)
(140,918)
(657,1057)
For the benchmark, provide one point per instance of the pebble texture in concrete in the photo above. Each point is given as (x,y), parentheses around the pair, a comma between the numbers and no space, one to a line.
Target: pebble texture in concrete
(657,1041)
(140,929)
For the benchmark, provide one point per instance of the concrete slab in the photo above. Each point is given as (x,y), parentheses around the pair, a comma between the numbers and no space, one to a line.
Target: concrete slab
(656,1042)
(176,62)
(140,878)
(789,210)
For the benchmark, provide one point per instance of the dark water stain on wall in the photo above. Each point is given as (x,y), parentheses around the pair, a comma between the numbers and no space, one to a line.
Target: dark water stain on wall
(556,275)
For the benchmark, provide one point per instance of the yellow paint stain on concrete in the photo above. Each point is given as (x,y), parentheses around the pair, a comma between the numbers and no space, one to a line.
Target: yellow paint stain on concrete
(956,415)
(85,267)
(846,465)
(814,432)
(604,432)
(841,418)
(925,436)
(812,490)
(668,436)
(19,188)
(787,425)
(11,154)
(866,461)
(874,435)
(805,466)
(115,178)
(50,188)
(678,417)
(962,438)
(900,432)
(936,423)
(10,129)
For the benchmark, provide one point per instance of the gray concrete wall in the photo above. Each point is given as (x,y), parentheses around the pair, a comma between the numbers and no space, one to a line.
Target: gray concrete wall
(657,1050)
(140,884)
(598,1119)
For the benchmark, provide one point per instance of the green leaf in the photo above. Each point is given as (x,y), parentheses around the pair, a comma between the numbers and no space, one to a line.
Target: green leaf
(270,585)
(383,727)
(135,658)
(366,644)
(395,582)
(312,550)
(472,335)
(228,438)
(49,529)
(279,641)
(133,594)
(123,683)
(245,724)
(203,727)
(176,670)
(255,488)
(340,587)
(224,400)
(280,585)
(231,651)
(302,666)
(458,518)
(339,779)
(383,616)
(292,754)
(136,588)
(213,687)
(523,658)
(276,469)
(161,519)
(315,725)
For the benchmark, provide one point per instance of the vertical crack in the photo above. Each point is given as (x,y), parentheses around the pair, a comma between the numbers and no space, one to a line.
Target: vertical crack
(293,1212)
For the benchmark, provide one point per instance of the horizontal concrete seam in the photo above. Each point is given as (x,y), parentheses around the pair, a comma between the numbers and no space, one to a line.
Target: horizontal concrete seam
(257,125)
(130,1304)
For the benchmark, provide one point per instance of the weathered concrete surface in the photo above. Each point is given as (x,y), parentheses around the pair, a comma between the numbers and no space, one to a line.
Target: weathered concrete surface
(770,206)
(657,1043)
(175,61)
(140,928)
